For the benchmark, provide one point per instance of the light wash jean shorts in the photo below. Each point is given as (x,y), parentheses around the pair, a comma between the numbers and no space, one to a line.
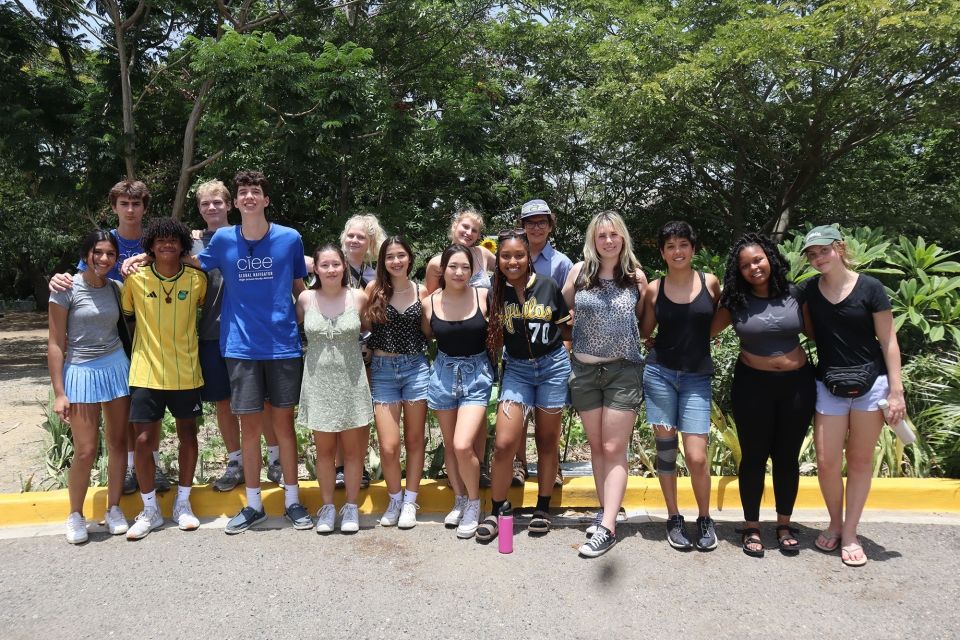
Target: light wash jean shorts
(677,399)
(400,378)
(459,381)
(831,405)
(541,382)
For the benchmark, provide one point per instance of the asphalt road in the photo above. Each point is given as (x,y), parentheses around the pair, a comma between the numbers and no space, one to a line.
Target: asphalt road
(424,583)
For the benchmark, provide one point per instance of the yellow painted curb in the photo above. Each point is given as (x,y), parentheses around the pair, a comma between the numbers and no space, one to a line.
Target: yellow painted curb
(643,494)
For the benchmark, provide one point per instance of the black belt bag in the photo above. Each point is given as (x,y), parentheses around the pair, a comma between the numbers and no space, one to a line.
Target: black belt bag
(851,382)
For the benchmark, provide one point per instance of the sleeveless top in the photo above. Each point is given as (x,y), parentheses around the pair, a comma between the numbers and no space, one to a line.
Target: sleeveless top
(769,326)
(605,322)
(460,338)
(479,279)
(401,334)
(683,334)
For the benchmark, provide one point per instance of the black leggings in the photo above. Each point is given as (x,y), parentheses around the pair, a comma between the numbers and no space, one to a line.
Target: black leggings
(773,410)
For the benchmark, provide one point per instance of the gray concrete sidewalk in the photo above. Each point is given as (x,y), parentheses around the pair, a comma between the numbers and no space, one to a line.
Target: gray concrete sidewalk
(424,583)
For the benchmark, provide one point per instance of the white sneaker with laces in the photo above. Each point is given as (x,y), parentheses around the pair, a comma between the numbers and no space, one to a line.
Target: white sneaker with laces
(453,518)
(408,515)
(116,521)
(349,519)
(148,520)
(76,528)
(183,516)
(470,520)
(392,514)
(326,518)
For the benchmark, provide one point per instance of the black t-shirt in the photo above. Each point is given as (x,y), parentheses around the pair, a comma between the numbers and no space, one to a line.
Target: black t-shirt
(845,332)
(530,330)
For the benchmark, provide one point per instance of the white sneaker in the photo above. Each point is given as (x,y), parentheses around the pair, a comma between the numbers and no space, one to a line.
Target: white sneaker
(183,516)
(470,520)
(453,518)
(408,515)
(349,519)
(392,514)
(116,521)
(148,520)
(326,517)
(76,528)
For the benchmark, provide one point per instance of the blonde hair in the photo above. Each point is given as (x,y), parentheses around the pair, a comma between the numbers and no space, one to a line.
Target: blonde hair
(375,234)
(461,214)
(213,187)
(846,256)
(628,263)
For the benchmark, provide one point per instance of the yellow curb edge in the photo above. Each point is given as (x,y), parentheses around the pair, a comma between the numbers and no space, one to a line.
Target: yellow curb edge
(887,494)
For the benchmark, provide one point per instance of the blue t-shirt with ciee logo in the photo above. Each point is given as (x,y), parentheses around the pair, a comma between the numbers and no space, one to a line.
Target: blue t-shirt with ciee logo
(258,320)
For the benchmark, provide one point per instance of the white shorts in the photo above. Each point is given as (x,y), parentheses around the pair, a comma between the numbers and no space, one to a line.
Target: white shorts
(831,405)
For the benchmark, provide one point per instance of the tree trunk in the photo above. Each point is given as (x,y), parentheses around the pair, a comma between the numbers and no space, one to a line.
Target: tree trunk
(781,224)
(187,168)
(38,284)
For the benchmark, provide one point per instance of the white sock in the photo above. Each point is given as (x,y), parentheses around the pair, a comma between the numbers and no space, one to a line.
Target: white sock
(149,499)
(409,496)
(156,458)
(395,496)
(130,459)
(235,456)
(291,494)
(183,493)
(273,454)
(253,499)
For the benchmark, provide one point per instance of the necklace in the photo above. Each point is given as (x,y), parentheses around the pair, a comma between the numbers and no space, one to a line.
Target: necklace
(168,293)
(253,245)
(129,247)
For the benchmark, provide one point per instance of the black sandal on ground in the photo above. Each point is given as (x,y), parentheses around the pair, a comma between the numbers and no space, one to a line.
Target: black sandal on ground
(539,523)
(748,537)
(790,536)
(488,529)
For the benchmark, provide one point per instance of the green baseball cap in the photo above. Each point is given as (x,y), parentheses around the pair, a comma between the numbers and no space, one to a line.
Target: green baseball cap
(819,236)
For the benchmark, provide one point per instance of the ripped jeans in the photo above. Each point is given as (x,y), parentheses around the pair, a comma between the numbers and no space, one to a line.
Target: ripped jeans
(538,383)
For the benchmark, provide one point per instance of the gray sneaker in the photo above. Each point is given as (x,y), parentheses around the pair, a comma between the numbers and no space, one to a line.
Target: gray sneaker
(707,538)
(677,534)
(161,483)
(130,484)
(247,518)
(232,476)
(297,514)
(275,473)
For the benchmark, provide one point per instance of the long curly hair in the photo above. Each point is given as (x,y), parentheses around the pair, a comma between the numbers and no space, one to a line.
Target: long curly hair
(167,228)
(383,286)
(735,288)
(495,325)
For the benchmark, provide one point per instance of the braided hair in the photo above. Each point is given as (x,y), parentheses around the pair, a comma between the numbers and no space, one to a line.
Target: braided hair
(498,293)
(735,288)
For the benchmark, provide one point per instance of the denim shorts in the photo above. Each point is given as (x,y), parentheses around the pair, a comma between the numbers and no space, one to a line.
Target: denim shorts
(216,380)
(401,378)
(831,405)
(677,399)
(541,382)
(455,382)
(615,385)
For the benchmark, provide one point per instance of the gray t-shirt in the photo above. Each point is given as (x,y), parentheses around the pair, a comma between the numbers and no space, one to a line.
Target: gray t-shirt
(208,328)
(92,315)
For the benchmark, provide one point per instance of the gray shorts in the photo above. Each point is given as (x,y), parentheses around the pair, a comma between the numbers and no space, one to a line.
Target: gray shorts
(253,381)
(615,385)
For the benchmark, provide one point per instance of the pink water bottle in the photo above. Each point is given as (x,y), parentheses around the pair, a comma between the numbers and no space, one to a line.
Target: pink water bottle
(505,529)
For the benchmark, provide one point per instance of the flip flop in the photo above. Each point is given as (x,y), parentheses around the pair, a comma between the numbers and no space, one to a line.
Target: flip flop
(850,549)
(832,541)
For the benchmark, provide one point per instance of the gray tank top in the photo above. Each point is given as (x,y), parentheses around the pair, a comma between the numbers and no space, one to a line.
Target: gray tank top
(769,326)
(605,322)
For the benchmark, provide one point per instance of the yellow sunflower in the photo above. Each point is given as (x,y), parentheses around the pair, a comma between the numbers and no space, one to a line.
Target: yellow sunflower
(489,243)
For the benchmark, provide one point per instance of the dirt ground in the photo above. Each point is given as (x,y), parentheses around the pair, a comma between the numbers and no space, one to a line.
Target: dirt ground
(24,384)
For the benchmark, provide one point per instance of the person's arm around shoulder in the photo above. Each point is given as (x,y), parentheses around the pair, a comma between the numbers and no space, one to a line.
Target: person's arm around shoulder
(808,322)
(482,296)
(432,278)
(713,288)
(56,356)
(640,281)
(302,299)
(422,293)
(648,319)
(60,282)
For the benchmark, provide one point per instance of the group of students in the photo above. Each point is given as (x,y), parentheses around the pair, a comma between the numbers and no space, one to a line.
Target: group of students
(553,334)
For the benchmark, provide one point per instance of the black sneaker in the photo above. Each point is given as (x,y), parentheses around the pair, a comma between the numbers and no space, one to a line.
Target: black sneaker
(130,484)
(677,534)
(298,515)
(247,518)
(707,540)
(365,479)
(599,543)
(161,483)
(340,482)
